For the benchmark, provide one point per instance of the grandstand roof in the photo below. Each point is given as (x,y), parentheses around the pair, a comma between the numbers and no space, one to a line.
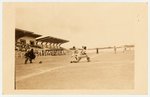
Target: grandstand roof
(21,33)
(51,39)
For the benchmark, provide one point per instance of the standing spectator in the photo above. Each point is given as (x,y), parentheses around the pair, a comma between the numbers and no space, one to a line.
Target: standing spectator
(115,49)
(97,50)
(124,49)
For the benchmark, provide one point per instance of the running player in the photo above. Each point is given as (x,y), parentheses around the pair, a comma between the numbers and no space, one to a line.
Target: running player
(83,54)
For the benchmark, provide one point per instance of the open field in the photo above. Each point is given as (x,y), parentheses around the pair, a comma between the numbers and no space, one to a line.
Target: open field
(105,71)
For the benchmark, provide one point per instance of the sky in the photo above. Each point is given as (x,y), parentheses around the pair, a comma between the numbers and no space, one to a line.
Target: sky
(83,24)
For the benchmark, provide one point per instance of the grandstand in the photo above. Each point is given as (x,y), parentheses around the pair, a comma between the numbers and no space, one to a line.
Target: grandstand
(43,46)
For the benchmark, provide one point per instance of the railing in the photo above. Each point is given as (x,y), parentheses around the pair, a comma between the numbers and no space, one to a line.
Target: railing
(40,52)
(19,54)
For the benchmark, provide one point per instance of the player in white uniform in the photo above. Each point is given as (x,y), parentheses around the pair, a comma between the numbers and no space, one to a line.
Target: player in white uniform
(74,57)
(83,54)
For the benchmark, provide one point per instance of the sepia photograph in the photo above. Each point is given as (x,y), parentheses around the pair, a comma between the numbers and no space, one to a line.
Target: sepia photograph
(77,46)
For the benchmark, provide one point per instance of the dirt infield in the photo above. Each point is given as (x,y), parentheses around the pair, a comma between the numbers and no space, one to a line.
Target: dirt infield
(105,71)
